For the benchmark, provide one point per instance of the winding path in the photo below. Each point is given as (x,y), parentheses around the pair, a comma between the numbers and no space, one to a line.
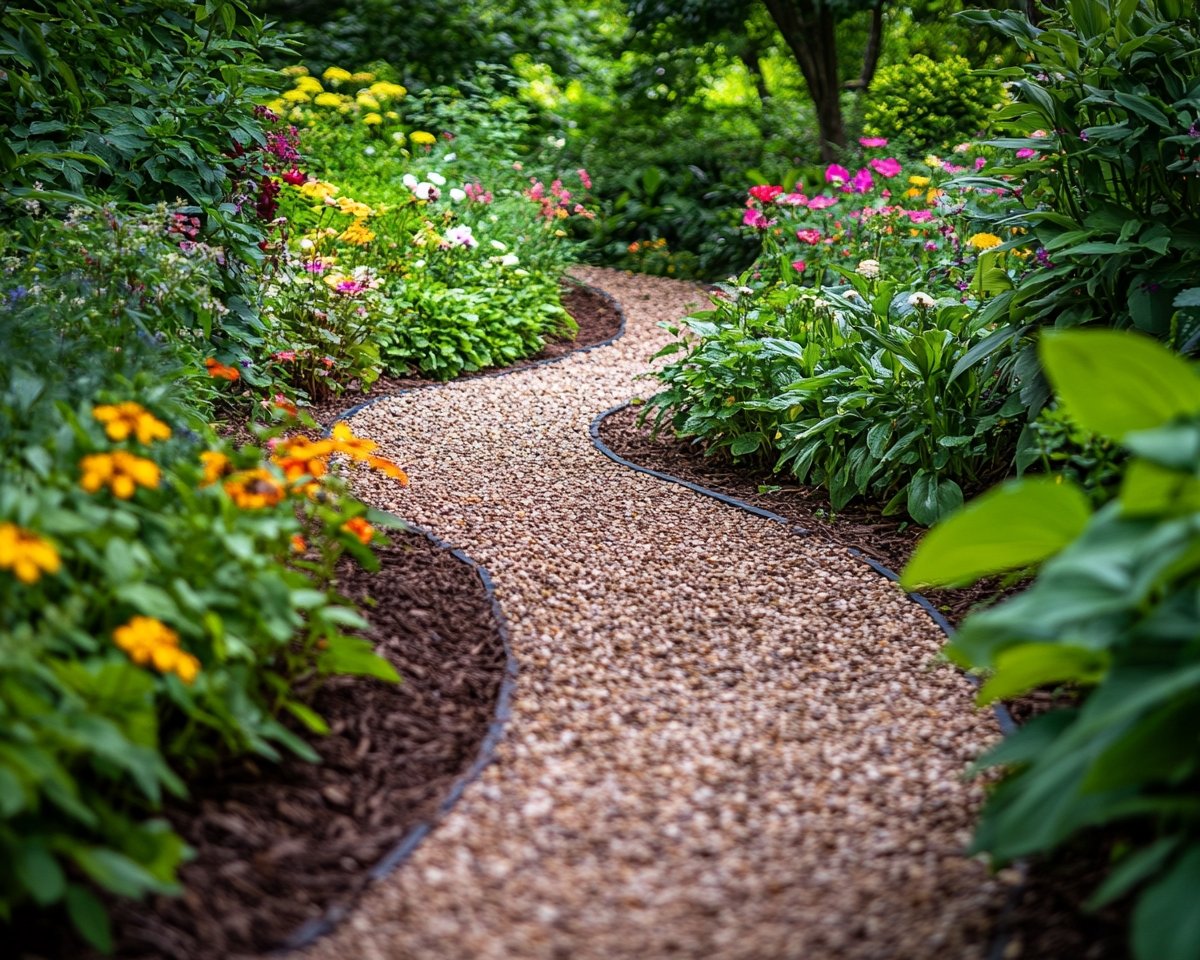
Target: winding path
(727,741)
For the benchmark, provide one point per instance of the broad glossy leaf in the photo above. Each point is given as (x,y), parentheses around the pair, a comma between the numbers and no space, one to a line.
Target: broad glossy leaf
(1025,667)
(1166,923)
(1012,526)
(1114,382)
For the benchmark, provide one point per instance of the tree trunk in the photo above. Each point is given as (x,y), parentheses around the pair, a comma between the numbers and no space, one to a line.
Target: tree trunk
(807,26)
(874,46)
(753,64)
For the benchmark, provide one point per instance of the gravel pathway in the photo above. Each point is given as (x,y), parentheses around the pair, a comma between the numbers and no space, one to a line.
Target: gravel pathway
(727,741)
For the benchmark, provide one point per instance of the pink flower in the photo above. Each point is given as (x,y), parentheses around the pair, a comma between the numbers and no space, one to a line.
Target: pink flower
(285,355)
(952,167)
(314,266)
(808,236)
(765,193)
(863,181)
(887,167)
(537,191)
(873,141)
(754,218)
(919,216)
(799,266)
(1026,153)
(584,178)
(792,200)
(477,194)
(350,288)
(821,203)
(931,245)
(980,163)
(837,175)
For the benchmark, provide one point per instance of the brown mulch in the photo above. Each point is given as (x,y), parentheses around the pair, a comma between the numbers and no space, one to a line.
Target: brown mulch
(1047,919)
(277,845)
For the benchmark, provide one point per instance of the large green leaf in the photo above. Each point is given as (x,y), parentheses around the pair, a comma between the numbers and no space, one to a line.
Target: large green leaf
(1166,923)
(1114,382)
(1012,526)
(1031,665)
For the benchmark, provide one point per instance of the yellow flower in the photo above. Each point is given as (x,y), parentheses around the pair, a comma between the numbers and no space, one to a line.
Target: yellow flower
(296,96)
(356,208)
(913,192)
(392,115)
(150,641)
(329,100)
(357,233)
(308,84)
(296,70)
(254,489)
(983,241)
(932,195)
(362,76)
(372,119)
(337,74)
(387,91)
(26,554)
(919,181)
(216,465)
(317,189)
(422,137)
(124,419)
(364,99)
(933,160)
(120,471)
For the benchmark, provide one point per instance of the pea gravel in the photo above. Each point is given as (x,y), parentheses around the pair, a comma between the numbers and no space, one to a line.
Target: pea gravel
(727,741)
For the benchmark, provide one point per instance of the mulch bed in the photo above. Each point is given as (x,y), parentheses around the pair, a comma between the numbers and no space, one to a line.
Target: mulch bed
(1047,919)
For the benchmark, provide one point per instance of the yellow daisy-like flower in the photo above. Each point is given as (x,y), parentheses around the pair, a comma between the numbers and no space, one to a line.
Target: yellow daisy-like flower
(26,554)
(122,420)
(372,119)
(983,241)
(933,160)
(356,208)
(387,91)
(422,137)
(296,70)
(317,189)
(328,99)
(120,471)
(337,74)
(255,489)
(296,96)
(919,181)
(364,99)
(932,194)
(362,76)
(150,641)
(216,465)
(308,84)
(358,233)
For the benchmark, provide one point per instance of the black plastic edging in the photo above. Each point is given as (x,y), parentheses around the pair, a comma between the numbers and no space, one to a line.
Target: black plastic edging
(312,930)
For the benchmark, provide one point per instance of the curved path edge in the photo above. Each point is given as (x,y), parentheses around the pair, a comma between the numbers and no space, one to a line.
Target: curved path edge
(313,930)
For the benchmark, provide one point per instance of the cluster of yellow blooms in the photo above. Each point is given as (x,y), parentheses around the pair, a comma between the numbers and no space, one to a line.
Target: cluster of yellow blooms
(122,420)
(150,641)
(358,233)
(983,241)
(122,472)
(26,554)
(372,95)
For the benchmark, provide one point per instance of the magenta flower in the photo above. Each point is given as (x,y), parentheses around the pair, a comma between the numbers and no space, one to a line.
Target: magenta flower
(821,203)
(980,163)
(1026,153)
(887,167)
(792,200)
(863,181)
(799,266)
(808,236)
(837,175)
(754,218)
(350,288)
(765,193)
(314,266)
(919,216)
(873,142)
(584,178)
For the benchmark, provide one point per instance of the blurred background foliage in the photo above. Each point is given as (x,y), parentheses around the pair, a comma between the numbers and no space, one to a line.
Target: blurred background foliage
(672,107)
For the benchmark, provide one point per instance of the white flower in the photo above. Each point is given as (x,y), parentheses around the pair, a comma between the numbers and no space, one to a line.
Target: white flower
(369,151)
(457,195)
(306,244)
(425,191)
(460,237)
(450,157)
(410,181)
(436,178)
(509,260)
(498,245)
(922,301)
(868,269)
(398,136)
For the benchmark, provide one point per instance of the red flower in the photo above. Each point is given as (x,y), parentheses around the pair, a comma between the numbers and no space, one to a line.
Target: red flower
(765,193)
(294,176)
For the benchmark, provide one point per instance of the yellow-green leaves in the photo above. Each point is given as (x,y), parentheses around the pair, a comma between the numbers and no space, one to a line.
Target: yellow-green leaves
(1012,526)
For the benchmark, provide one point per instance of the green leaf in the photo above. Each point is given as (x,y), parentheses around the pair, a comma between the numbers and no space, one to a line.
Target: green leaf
(353,655)
(1103,378)
(150,600)
(1011,526)
(1166,923)
(89,917)
(747,443)
(39,872)
(117,873)
(1149,490)
(1031,665)
(1131,871)
(931,498)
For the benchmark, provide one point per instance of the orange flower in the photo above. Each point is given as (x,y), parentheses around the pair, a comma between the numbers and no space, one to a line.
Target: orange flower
(220,371)
(124,419)
(360,528)
(298,543)
(216,465)
(150,641)
(388,469)
(26,554)
(254,489)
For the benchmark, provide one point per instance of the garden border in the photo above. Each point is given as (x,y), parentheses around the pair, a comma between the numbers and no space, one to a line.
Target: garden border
(312,930)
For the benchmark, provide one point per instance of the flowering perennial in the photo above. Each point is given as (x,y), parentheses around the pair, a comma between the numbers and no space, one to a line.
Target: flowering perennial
(26,554)
(150,641)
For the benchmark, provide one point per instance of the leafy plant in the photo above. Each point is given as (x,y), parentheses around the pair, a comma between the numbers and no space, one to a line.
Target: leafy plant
(1112,613)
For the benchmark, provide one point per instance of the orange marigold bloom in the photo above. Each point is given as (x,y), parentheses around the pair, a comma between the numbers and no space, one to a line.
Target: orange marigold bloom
(254,489)
(122,420)
(388,469)
(220,371)
(150,641)
(360,528)
(298,543)
(120,471)
(26,554)
(216,465)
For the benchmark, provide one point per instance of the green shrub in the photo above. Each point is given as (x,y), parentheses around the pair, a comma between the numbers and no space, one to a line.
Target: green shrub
(930,104)
(1112,613)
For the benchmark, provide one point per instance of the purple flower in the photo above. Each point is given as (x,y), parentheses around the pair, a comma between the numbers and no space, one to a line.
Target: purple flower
(836,174)
(863,181)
